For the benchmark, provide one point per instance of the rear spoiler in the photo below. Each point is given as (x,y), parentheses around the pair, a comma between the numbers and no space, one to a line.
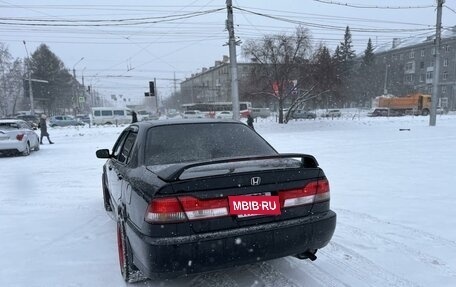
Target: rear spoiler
(173,172)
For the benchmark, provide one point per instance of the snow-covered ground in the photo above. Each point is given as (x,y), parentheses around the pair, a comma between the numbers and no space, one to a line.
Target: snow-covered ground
(394,192)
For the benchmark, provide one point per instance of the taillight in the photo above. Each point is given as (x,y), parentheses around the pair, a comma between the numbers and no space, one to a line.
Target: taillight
(165,210)
(188,208)
(19,137)
(201,209)
(182,208)
(315,191)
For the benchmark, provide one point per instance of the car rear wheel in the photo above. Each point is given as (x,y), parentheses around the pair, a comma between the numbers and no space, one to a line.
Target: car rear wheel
(26,152)
(129,271)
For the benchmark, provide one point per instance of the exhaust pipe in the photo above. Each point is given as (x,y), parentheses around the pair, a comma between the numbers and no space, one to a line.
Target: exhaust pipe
(309,254)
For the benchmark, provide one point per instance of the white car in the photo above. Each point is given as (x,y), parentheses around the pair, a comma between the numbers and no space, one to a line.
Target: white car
(333,114)
(192,114)
(17,136)
(224,115)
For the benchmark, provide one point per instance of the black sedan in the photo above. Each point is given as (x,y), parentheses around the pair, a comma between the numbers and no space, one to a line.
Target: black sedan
(201,195)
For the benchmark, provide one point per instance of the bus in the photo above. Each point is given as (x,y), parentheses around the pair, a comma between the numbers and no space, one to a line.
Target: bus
(209,109)
(109,115)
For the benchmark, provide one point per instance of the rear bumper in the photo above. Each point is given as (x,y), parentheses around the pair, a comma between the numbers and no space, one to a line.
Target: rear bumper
(174,256)
(12,145)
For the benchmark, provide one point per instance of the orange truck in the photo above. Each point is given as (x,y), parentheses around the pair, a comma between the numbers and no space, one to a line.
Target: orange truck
(412,104)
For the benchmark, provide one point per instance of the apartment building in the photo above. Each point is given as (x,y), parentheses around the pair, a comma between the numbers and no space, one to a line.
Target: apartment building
(407,65)
(212,84)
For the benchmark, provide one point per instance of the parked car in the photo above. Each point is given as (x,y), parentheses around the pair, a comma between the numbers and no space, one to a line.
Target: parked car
(33,120)
(333,114)
(176,189)
(146,116)
(192,114)
(260,112)
(83,118)
(441,111)
(385,112)
(63,121)
(224,115)
(302,114)
(378,112)
(17,136)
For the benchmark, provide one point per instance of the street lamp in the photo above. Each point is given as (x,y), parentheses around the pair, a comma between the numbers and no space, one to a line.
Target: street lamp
(76,104)
(32,108)
(74,67)
(82,76)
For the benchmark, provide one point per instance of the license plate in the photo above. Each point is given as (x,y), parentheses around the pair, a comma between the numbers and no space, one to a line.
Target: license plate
(256,204)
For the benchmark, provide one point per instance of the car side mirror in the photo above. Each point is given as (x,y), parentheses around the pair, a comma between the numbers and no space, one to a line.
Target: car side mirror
(103,153)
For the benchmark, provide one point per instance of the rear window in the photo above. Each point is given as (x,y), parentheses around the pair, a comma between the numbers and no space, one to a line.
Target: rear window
(9,125)
(198,142)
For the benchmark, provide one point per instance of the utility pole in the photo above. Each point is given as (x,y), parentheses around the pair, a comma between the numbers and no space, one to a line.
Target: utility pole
(435,88)
(32,108)
(233,61)
(156,96)
(385,89)
(175,83)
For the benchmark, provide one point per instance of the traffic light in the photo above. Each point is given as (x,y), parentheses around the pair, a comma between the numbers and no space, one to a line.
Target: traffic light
(151,88)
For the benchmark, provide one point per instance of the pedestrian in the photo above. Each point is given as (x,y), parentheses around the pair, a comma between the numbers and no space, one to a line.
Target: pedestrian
(43,128)
(250,121)
(134,117)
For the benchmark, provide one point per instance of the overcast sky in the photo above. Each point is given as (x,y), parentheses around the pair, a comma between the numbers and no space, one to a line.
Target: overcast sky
(165,39)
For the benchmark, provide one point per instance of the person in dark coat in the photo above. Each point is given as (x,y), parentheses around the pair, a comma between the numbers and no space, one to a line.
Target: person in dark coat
(250,121)
(134,117)
(43,128)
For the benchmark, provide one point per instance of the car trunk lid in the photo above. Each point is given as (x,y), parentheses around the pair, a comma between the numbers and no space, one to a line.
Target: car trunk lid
(202,189)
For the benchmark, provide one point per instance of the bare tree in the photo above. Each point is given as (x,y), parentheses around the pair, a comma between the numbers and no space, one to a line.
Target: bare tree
(279,59)
(11,73)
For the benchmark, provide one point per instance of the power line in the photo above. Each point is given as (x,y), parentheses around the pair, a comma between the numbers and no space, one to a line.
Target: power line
(171,19)
(449,8)
(372,6)
(198,13)
(309,24)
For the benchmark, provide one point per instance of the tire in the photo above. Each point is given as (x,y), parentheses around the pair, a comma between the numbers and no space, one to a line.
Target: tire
(26,152)
(37,147)
(425,112)
(129,272)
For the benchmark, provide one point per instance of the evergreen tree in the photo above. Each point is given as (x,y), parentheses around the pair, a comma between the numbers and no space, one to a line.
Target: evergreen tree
(345,61)
(338,58)
(368,78)
(346,47)
(369,57)
(325,75)
(59,91)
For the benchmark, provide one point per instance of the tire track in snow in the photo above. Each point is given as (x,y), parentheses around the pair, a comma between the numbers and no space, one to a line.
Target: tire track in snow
(410,230)
(430,260)
(311,270)
(350,262)
(269,276)
(86,225)
(213,279)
